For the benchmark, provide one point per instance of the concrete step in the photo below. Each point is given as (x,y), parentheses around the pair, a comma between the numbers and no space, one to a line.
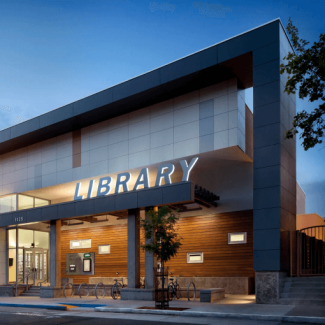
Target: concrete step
(309,296)
(303,285)
(314,279)
(34,289)
(29,294)
(305,290)
(310,302)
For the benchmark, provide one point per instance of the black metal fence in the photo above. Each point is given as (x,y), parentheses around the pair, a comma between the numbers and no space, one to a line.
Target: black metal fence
(311,251)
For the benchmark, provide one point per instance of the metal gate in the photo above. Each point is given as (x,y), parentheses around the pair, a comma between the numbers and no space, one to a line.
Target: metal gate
(311,251)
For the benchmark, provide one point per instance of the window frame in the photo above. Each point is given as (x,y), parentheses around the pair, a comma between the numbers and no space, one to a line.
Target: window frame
(188,257)
(244,241)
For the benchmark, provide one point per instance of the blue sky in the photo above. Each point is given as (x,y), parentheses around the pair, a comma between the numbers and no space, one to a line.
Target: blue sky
(55,52)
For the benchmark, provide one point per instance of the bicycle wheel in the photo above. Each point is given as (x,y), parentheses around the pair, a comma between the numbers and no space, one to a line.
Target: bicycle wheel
(178,291)
(170,291)
(115,291)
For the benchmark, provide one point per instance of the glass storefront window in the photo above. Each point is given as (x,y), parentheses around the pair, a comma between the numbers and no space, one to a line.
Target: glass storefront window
(12,238)
(12,265)
(20,265)
(25,202)
(25,238)
(40,202)
(31,262)
(8,203)
(42,239)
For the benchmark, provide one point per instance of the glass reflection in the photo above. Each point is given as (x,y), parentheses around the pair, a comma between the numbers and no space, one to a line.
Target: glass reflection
(15,202)
(8,203)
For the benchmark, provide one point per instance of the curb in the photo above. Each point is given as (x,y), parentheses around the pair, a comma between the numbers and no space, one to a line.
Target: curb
(83,305)
(288,319)
(53,307)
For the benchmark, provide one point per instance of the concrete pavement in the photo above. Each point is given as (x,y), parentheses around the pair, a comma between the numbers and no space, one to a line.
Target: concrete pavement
(233,307)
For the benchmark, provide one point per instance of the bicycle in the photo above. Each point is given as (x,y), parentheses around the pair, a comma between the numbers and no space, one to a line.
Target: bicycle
(173,289)
(116,288)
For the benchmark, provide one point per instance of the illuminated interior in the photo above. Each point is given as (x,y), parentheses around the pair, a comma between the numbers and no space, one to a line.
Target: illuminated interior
(16,202)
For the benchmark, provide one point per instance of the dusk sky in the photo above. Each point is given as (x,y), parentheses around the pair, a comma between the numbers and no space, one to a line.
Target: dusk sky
(55,52)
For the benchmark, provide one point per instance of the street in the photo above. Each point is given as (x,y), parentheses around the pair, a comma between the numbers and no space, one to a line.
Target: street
(14,315)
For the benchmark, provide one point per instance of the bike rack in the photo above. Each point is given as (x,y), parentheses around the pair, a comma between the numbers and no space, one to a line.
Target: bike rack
(80,287)
(100,283)
(188,292)
(71,289)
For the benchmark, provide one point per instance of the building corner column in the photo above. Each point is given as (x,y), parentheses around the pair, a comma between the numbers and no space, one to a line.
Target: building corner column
(268,286)
(150,263)
(55,262)
(134,248)
(274,201)
(58,254)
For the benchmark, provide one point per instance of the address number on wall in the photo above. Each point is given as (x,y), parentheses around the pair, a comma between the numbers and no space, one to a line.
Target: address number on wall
(19,219)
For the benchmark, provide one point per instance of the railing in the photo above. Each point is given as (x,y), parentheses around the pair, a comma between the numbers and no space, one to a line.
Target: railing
(311,251)
(43,281)
(27,276)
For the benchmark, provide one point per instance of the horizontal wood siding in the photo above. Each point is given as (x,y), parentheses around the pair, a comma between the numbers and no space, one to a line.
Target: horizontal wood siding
(207,234)
(106,265)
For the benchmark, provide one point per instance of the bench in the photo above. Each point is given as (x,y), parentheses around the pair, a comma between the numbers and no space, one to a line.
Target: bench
(212,294)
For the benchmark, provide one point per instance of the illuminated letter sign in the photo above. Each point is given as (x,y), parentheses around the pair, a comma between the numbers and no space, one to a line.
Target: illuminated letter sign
(143,179)
(77,192)
(122,181)
(104,185)
(164,172)
(187,168)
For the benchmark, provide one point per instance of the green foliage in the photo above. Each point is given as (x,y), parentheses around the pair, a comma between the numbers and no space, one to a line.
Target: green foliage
(306,70)
(160,233)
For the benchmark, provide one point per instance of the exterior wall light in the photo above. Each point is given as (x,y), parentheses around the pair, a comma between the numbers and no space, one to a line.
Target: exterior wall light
(195,257)
(237,238)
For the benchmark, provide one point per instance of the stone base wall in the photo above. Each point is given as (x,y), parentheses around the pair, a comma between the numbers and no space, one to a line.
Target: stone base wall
(107,280)
(268,287)
(137,294)
(51,292)
(10,291)
(66,280)
(232,285)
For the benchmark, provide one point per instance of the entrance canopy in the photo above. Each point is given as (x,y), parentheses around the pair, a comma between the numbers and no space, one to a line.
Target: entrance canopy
(164,195)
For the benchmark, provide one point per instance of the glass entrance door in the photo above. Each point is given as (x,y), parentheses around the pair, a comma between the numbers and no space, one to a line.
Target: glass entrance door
(35,265)
(28,266)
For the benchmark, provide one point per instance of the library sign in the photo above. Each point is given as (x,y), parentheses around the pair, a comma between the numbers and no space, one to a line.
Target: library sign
(122,180)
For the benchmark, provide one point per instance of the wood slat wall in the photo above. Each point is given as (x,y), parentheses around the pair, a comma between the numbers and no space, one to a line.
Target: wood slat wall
(207,234)
(106,265)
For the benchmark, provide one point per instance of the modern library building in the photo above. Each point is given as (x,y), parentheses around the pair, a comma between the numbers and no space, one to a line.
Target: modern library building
(74,182)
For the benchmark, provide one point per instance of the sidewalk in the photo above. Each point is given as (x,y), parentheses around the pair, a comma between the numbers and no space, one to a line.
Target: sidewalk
(239,307)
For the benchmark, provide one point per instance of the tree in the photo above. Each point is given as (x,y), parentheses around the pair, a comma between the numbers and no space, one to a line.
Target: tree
(161,236)
(306,70)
